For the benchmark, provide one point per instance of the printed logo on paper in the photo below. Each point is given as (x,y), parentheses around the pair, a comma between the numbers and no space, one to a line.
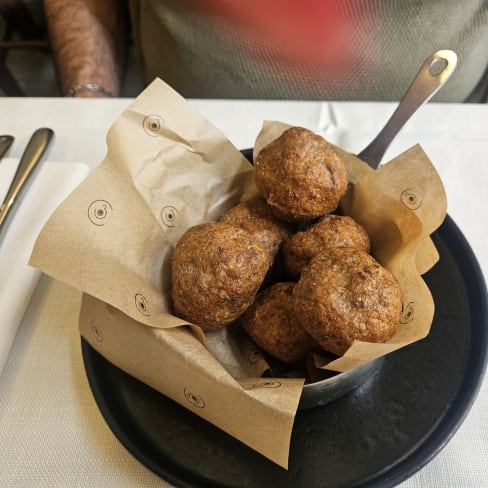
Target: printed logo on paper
(267,384)
(169,215)
(141,304)
(152,124)
(407,313)
(194,399)
(410,199)
(99,211)
(254,356)
(97,332)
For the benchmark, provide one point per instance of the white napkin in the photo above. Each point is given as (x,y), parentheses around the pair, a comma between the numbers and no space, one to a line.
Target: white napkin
(52,183)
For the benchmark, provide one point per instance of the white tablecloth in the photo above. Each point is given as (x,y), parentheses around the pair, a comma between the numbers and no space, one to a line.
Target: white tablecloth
(51,432)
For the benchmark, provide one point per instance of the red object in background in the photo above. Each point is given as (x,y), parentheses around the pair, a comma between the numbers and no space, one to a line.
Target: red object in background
(309,30)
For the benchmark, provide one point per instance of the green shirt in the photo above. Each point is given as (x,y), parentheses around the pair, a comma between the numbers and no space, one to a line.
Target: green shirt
(354,50)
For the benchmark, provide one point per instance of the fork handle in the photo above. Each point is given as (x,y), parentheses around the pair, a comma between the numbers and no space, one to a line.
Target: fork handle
(34,152)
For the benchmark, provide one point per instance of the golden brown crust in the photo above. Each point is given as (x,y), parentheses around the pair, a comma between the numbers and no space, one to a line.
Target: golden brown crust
(343,295)
(300,175)
(330,231)
(217,269)
(271,323)
(255,217)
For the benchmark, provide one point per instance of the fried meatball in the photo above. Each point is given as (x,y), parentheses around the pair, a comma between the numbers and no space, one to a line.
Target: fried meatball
(255,217)
(217,269)
(300,175)
(330,231)
(343,295)
(272,325)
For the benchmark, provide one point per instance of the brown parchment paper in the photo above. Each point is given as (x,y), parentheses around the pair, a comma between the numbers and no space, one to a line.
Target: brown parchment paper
(166,169)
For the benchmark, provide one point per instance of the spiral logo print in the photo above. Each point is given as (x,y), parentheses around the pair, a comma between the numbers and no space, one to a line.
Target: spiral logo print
(194,399)
(407,313)
(141,304)
(267,384)
(97,332)
(254,356)
(152,125)
(410,199)
(169,215)
(99,211)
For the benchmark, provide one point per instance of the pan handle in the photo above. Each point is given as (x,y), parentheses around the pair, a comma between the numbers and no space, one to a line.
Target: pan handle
(435,71)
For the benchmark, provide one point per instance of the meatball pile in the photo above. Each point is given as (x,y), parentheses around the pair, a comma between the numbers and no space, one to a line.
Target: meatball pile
(331,291)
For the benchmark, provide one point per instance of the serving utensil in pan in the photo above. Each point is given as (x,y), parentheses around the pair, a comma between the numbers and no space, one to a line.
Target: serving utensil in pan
(435,71)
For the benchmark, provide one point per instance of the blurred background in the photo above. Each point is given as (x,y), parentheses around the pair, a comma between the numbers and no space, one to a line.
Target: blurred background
(26,64)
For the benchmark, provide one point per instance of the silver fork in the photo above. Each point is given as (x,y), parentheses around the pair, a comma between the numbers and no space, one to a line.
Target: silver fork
(33,154)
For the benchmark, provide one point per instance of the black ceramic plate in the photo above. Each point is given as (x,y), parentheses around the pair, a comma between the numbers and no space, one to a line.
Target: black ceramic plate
(379,434)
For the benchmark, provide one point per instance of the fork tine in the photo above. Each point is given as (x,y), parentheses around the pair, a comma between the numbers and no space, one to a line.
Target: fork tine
(5,143)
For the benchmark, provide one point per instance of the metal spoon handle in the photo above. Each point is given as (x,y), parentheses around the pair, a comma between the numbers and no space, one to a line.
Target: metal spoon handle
(435,71)
(33,154)
(5,143)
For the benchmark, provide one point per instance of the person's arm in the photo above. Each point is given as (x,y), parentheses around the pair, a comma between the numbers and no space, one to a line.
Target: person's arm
(89,43)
